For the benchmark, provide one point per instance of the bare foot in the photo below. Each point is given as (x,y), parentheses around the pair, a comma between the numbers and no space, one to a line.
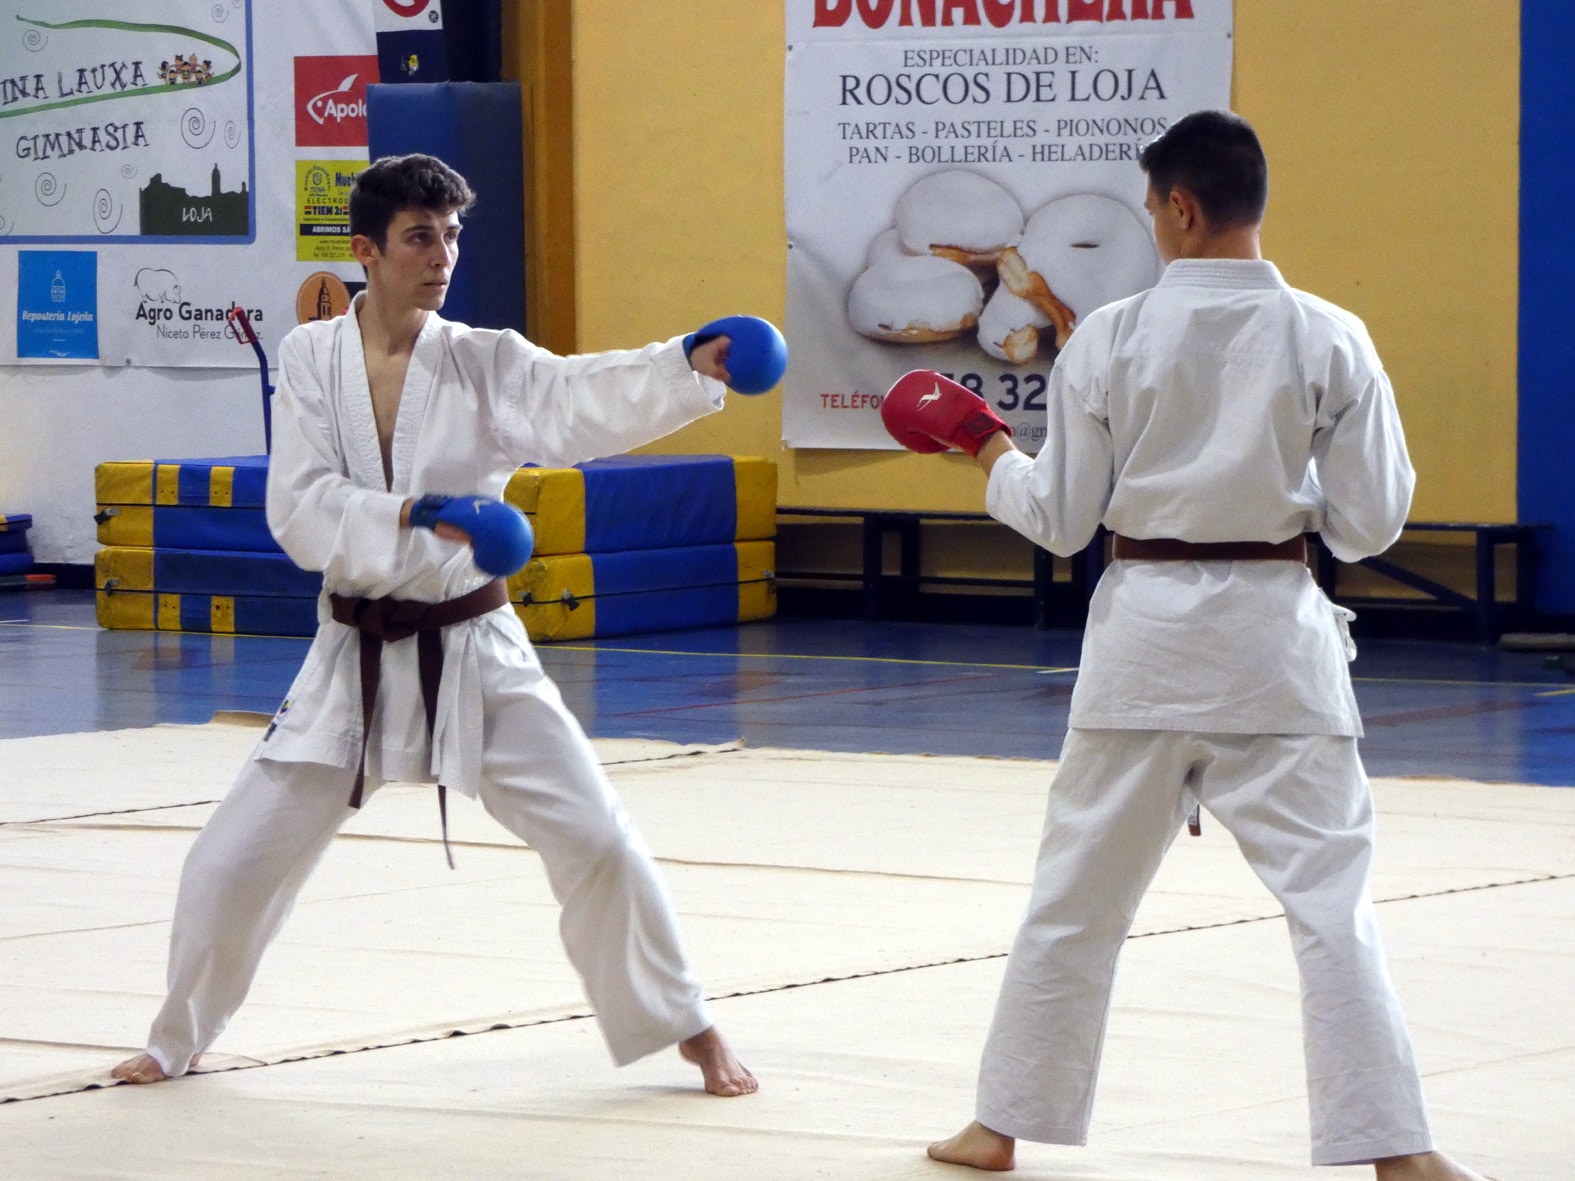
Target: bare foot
(977,1147)
(144,1068)
(1423,1166)
(724,1074)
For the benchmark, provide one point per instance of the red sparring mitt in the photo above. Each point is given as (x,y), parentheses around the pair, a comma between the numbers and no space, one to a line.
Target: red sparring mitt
(927,412)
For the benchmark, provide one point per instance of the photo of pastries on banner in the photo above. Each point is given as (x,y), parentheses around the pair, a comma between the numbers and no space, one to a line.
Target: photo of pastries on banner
(961,258)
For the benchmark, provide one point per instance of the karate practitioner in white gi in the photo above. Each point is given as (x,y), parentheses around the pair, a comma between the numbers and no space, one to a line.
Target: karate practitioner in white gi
(1209,423)
(374,409)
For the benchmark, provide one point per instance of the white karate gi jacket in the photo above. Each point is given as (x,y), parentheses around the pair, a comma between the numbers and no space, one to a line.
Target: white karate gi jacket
(1220,405)
(477,404)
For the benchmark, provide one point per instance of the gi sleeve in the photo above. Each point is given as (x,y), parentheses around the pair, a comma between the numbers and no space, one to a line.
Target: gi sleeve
(1058,498)
(559,411)
(1359,448)
(318,516)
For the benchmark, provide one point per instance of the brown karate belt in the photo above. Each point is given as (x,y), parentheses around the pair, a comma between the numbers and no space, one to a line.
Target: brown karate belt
(391,620)
(1168,549)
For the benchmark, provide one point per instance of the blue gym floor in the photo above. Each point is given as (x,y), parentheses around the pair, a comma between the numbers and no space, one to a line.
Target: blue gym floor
(1461,710)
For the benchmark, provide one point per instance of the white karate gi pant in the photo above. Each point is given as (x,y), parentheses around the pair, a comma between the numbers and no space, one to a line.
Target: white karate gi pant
(541,781)
(1300,809)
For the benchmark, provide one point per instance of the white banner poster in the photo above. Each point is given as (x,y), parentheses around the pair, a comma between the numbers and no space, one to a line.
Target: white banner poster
(170,160)
(962,183)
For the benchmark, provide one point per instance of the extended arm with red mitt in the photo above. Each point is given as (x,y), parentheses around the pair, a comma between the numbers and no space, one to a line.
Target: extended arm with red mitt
(927,412)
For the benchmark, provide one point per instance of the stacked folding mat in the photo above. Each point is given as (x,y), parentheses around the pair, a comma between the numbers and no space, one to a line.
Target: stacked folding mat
(187,548)
(641,543)
(16,560)
(623,545)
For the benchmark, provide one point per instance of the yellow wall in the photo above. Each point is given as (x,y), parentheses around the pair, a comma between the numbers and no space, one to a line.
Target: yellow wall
(538,52)
(1392,132)
(1392,136)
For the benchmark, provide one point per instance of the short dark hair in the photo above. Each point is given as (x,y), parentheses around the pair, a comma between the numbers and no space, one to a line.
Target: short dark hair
(1215,156)
(404,182)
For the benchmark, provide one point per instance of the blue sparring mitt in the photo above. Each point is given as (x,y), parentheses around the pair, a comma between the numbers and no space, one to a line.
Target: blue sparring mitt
(500,537)
(757,355)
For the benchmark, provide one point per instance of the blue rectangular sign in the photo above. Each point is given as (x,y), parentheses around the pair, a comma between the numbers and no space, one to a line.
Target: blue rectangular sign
(57,304)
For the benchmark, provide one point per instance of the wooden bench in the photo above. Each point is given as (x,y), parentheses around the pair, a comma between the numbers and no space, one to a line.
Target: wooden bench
(1487,614)
(881,592)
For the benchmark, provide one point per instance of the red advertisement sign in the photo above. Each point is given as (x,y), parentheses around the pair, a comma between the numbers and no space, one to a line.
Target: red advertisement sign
(330,100)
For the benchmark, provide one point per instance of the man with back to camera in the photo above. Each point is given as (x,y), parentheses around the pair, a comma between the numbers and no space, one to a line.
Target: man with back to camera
(373,410)
(1210,423)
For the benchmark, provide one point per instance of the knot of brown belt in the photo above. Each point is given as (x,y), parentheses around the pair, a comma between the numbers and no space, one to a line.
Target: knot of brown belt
(1169,549)
(392,620)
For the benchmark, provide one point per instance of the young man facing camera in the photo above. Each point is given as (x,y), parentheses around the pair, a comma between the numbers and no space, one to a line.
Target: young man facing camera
(1210,423)
(375,409)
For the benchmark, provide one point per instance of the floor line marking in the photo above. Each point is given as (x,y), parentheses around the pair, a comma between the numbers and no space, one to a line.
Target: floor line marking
(64,627)
(735,702)
(804,656)
(1444,713)
(1451,683)
(503,1023)
(546,648)
(79,627)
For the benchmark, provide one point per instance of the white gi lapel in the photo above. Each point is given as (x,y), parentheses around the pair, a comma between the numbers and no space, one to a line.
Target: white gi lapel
(363,456)
(426,361)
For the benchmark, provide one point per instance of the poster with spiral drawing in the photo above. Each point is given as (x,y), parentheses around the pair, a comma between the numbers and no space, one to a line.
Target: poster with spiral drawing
(165,162)
(962,187)
(127,123)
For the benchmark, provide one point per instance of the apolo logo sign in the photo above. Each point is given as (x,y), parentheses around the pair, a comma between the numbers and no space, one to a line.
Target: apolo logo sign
(330,100)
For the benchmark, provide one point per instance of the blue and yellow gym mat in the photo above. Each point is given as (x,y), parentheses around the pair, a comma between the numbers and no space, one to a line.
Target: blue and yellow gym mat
(198,504)
(15,557)
(628,544)
(576,596)
(204,591)
(647,502)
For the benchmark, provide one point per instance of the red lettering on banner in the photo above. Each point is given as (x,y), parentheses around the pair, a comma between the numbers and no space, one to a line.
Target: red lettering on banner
(999,12)
(849,401)
(930,14)
(330,100)
(968,8)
